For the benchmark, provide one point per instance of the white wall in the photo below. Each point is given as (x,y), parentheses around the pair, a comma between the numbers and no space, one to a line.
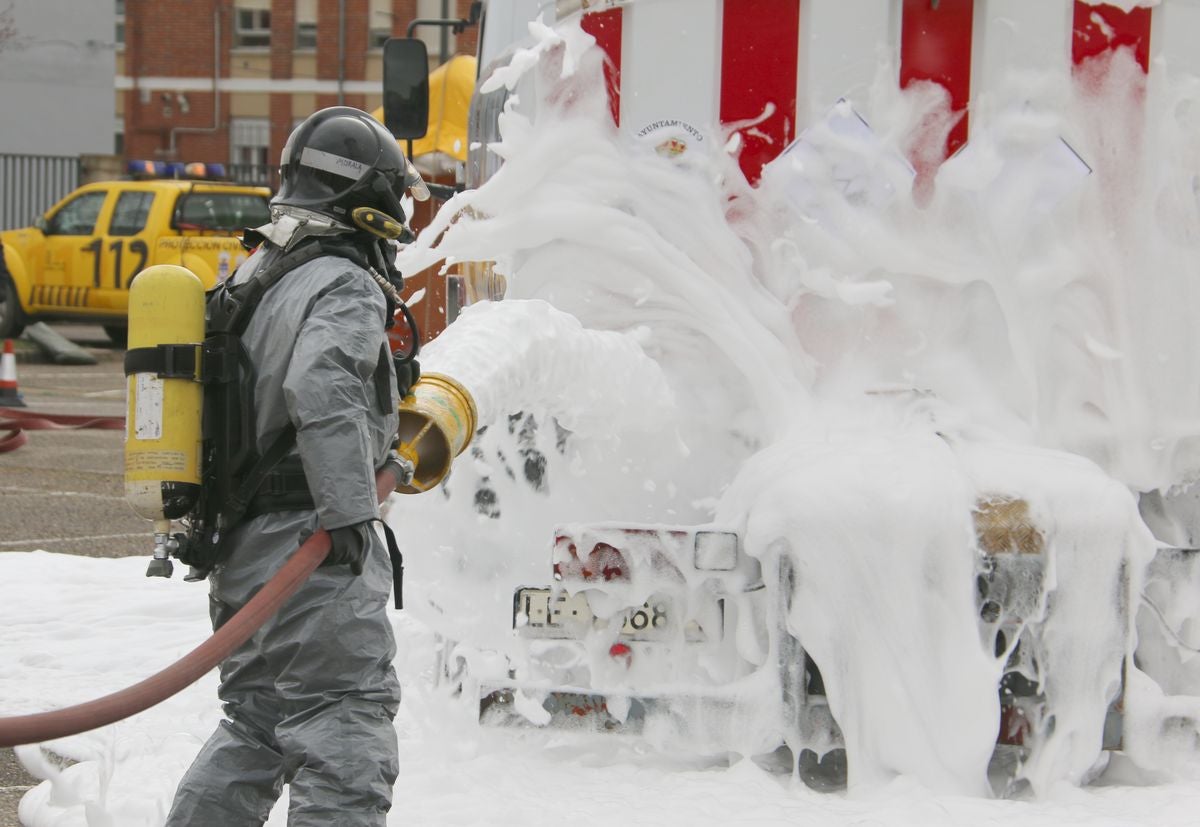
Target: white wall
(57,77)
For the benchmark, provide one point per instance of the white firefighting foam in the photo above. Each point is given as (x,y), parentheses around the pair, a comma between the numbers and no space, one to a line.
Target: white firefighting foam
(563,371)
(848,382)
(822,317)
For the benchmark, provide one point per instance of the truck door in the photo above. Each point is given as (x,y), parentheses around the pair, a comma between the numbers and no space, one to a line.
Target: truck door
(126,248)
(72,254)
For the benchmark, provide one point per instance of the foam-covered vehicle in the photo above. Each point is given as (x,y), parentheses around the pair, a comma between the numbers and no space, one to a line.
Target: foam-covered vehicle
(896,526)
(76,261)
(678,623)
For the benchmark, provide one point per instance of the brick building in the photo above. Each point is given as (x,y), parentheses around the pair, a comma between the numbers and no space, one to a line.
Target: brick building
(227,80)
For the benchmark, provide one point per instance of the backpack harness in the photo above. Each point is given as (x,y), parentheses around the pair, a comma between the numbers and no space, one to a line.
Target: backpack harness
(238,483)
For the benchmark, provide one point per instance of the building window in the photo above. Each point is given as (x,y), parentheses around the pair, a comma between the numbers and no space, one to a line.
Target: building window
(120,32)
(306,35)
(252,24)
(306,24)
(250,143)
(439,40)
(379,22)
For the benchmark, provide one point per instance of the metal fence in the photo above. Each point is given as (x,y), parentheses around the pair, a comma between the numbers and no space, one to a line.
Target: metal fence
(31,184)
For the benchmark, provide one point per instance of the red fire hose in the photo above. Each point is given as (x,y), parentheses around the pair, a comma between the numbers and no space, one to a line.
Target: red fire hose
(46,726)
(14,423)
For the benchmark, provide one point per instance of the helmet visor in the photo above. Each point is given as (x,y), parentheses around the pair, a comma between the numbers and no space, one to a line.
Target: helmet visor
(338,165)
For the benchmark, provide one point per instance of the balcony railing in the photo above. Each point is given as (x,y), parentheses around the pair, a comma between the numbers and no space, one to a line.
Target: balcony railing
(262,175)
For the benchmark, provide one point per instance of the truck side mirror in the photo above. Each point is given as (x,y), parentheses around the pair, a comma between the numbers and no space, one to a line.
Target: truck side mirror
(405,87)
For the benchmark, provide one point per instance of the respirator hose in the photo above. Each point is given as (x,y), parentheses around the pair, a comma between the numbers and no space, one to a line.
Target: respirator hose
(59,723)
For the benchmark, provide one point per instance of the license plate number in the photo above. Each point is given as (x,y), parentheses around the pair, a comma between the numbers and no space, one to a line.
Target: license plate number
(546,613)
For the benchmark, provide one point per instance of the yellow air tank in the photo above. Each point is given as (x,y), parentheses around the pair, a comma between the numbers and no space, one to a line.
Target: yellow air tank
(162,424)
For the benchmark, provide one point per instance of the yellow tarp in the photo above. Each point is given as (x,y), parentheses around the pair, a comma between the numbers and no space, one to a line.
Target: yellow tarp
(450,88)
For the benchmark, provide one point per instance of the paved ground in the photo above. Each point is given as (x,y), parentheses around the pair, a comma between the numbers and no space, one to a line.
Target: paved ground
(63,490)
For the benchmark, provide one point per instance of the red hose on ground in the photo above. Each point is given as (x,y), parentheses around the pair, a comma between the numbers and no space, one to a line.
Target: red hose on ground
(15,422)
(46,726)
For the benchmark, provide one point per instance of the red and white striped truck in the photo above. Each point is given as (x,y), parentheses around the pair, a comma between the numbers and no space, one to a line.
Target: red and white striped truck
(750,78)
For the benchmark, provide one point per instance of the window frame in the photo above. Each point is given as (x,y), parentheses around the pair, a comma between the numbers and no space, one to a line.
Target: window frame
(300,42)
(147,202)
(250,160)
(119,25)
(378,32)
(97,196)
(211,199)
(255,32)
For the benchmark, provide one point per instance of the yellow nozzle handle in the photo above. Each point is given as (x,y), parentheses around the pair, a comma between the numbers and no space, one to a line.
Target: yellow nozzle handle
(437,421)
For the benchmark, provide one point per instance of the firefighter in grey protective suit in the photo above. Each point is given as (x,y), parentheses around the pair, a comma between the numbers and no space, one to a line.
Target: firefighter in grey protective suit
(310,698)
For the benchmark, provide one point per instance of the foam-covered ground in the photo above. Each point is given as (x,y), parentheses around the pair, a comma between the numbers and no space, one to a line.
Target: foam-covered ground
(824,365)
(76,628)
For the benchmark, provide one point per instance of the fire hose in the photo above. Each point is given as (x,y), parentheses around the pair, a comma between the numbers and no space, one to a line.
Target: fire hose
(59,723)
(436,422)
(16,422)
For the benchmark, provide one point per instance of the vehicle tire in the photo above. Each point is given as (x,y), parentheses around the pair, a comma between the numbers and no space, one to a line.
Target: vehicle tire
(12,317)
(117,334)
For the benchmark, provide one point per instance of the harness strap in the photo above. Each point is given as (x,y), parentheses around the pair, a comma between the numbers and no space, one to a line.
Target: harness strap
(178,361)
(283,489)
(397,564)
(262,489)
(265,278)
(240,498)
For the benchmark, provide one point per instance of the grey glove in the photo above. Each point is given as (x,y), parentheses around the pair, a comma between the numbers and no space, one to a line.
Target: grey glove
(348,546)
(408,371)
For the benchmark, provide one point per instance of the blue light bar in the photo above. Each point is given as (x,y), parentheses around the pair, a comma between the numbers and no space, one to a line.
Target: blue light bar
(146,168)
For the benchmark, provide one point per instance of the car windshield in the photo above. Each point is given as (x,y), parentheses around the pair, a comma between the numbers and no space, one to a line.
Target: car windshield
(227,211)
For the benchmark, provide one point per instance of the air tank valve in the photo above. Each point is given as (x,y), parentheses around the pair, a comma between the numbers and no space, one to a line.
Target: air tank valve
(164,546)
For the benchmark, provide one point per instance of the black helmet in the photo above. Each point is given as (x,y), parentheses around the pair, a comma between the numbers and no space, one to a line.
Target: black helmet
(340,159)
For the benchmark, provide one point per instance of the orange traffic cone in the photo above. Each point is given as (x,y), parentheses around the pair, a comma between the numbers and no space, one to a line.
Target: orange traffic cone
(10,397)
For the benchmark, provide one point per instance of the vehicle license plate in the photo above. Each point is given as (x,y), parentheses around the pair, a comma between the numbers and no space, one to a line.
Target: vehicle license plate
(546,613)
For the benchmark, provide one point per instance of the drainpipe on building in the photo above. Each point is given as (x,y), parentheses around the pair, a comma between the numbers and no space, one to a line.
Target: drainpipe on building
(216,90)
(444,43)
(341,52)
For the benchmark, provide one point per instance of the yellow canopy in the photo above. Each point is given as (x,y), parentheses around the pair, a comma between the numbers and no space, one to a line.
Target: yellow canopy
(450,89)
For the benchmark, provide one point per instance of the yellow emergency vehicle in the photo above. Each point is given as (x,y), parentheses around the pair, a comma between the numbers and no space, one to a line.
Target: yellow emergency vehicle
(77,260)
